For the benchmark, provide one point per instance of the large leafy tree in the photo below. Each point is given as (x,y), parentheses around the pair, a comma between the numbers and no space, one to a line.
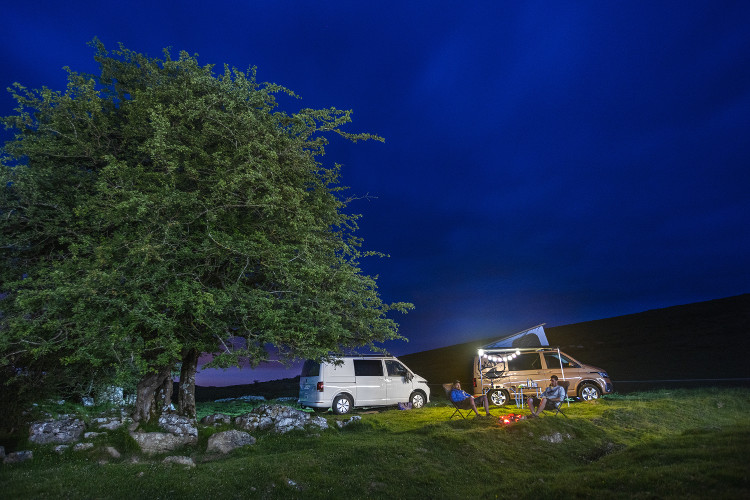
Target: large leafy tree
(161,210)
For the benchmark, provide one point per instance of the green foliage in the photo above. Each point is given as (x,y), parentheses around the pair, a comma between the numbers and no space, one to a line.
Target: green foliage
(699,448)
(160,207)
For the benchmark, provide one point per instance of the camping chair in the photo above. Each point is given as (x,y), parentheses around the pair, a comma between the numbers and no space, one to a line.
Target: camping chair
(461,405)
(557,407)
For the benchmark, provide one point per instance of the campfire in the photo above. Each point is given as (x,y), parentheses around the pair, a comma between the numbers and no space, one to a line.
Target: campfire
(510,418)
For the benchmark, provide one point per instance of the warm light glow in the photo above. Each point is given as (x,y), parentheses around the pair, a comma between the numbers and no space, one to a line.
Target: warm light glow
(480,352)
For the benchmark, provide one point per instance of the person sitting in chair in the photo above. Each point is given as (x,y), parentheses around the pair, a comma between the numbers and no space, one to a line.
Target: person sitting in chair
(551,395)
(457,395)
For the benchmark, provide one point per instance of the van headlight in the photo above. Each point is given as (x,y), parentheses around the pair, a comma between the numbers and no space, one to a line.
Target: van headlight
(603,374)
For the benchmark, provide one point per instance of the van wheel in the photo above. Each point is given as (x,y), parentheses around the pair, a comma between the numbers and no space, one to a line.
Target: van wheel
(588,392)
(417,399)
(499,398)
(342,405)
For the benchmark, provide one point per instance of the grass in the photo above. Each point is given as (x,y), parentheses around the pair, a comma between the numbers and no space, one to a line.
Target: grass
(664,444)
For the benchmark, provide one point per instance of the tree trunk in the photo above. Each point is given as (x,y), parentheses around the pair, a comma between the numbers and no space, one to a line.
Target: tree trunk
(186,391)
(146,405)
(162,398)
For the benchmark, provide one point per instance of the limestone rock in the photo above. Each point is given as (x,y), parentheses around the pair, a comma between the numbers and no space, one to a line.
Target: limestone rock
(60,448)
(224,442)
(67,430)
(160,442)
(92,435)
(177,460)
(83,446)
(18,456)
(110,423)
(344,423)
(112,452)
(278,418)
(178,425)
(216,419)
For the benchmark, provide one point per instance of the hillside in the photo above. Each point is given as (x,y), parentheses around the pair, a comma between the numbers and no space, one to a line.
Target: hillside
(704,340)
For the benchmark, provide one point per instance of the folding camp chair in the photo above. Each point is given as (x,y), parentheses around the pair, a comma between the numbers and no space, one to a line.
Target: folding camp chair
(557,407)
(461,405)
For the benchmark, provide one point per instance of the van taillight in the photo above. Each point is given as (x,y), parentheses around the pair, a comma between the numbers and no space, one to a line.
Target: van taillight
(320,386)
(475,381)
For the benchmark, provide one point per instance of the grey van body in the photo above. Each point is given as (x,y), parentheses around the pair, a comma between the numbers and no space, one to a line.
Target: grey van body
(357,381)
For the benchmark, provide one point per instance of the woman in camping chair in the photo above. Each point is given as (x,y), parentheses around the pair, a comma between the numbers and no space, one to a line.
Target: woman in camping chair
(457,395)
(551,395)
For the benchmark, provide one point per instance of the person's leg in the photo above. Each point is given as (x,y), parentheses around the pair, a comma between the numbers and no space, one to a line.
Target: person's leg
(486,404)
(540,408)
(473,405)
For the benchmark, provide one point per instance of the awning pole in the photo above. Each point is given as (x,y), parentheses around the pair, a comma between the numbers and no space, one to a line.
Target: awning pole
(562,372)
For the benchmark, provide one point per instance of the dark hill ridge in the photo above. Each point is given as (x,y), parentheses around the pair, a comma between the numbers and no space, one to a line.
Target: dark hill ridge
(704,340)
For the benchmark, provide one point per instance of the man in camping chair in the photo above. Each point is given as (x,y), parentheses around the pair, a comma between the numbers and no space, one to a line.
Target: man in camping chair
(551,395)
(457,396)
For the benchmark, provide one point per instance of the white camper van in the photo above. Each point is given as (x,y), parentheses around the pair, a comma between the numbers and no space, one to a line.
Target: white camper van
(355,381)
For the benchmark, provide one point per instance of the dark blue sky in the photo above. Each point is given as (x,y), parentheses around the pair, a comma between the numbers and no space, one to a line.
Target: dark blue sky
(548,162)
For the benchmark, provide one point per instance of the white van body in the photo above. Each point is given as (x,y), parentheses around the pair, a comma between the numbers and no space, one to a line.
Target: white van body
(356,381)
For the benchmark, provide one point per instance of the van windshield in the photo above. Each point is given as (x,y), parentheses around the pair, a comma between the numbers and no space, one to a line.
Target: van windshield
(310,369)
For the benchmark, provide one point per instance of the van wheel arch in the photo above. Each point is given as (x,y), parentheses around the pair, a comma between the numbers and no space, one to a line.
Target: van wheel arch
(418,399)
(342,404)
(589,390)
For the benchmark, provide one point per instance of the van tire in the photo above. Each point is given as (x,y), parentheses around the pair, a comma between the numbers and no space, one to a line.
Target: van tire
(589,391)
(498,398)
(342,404)
(417,399)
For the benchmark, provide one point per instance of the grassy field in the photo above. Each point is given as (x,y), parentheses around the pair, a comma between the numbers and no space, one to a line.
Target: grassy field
(665,444)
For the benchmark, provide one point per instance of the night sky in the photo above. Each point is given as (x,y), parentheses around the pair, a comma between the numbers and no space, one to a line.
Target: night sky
(545,162)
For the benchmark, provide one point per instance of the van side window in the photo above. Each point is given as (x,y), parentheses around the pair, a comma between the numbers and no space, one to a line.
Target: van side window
(525,361)
(553,361)
(310,369)
(395,369)
(368,368)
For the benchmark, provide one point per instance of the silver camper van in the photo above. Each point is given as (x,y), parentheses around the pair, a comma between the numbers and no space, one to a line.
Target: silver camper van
(356,381)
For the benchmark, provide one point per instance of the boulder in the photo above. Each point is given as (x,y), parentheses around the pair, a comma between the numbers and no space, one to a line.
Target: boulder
(344,423)
(186,461)
(110,423)
(92,435)
(178,425)
(18,456)
(161,442)
(60,448)
(226,441)
(278,418)
(216,419)
(112,452)
(67,430)
(83,446)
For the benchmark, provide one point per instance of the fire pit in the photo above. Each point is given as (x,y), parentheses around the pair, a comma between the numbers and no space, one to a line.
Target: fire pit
(510,418)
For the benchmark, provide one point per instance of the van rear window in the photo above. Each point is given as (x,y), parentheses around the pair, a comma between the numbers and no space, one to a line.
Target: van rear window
(310,369)
(368,368)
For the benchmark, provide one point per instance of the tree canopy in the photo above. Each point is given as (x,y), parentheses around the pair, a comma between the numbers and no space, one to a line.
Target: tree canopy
(161,208)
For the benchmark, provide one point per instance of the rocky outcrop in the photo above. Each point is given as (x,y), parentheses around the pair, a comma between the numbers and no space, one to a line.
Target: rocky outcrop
(181,431)
(67,430)
(216,419)
(160,442)
(224,442)
(178,425)
(18,456)
(278,418)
